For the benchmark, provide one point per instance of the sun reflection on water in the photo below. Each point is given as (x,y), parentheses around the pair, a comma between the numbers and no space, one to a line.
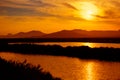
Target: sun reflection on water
(89,71)
(88,44)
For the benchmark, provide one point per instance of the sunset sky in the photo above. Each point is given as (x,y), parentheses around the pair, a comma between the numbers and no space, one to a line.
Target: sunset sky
(55,15)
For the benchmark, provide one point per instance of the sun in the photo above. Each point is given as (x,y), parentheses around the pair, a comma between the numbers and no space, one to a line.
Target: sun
(88,15)
(88,10)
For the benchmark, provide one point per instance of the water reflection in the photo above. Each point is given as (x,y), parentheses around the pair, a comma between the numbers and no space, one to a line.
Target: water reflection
(88,44)
(92,45)
(71,68)
(89,71)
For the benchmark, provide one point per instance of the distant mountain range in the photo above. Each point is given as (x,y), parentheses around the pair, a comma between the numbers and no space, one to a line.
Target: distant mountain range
(76,33)
(30,34)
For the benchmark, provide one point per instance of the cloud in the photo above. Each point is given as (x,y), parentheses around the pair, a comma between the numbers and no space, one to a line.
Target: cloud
(4,2)
(53,8)
(69,6)
(24,8)
(35,3)
(108,14)
(40,3)
(110,9)
(115,3)
(10,11)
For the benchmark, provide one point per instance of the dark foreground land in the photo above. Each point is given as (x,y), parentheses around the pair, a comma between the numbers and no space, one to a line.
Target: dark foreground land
(99,40)
(11,70)
(83,52)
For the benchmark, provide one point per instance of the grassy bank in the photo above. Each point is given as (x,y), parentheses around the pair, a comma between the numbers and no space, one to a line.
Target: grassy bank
(11,70)
(83,52)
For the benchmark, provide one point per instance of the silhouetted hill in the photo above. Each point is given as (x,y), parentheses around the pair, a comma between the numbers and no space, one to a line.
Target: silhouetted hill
(65,34)
(77,33)
(30,34)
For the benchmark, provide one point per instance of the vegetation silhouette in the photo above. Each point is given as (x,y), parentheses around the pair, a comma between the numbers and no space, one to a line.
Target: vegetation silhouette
(11,70)
(83,52)
(100,40)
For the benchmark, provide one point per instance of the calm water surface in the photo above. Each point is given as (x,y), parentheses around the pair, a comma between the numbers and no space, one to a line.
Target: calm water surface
(71,68)
(92,45)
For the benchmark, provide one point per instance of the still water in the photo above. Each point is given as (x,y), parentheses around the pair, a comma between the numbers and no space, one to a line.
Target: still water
(71,68)
(90,44)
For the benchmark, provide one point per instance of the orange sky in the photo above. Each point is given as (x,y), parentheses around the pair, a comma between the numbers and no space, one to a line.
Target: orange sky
(55,15)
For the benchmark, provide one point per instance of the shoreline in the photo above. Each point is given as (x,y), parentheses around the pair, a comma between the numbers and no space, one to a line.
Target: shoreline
(82,52)
(33,40)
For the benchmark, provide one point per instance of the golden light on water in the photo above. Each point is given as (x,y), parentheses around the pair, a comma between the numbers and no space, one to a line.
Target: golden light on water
(89,71)
(88,44)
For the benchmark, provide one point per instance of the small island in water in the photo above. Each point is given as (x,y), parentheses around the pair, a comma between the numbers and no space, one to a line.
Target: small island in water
(82,52)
